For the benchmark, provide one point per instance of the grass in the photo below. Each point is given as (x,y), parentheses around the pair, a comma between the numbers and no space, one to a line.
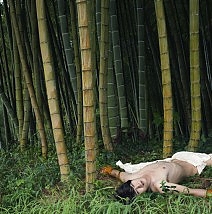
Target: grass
(31,185)
(97,203)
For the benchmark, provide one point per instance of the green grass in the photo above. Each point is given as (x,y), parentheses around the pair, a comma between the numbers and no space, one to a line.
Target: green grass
(29,184)
(98,203)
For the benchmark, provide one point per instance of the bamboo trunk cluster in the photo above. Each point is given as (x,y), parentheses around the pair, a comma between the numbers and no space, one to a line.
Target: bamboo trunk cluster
(28,79)
(100,60)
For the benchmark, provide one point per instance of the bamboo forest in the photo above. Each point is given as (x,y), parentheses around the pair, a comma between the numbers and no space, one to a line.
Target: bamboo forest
(84,83)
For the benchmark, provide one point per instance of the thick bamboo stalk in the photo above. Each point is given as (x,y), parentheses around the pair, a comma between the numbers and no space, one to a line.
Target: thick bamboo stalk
(141,68)
(113,110)
(117,55)
(27,114)
(195,76)
(166,79)
(52,93)
(88,94)
(67,45)
(104,48)
(78,71)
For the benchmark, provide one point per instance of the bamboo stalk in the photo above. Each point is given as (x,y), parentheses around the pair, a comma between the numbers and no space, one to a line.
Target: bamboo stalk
(88,94)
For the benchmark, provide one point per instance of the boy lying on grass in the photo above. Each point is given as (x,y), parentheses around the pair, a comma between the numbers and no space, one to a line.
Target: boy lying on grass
(161,175)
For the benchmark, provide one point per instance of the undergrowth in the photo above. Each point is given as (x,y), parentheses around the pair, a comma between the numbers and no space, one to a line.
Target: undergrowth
(30,184)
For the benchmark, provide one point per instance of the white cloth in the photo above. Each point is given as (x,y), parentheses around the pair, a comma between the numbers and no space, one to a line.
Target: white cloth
(196,159)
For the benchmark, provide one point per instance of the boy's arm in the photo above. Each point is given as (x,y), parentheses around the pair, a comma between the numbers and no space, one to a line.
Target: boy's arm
(122,176)
(171,187)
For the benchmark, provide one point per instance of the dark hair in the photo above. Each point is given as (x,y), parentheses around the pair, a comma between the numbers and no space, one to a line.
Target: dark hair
(125,191)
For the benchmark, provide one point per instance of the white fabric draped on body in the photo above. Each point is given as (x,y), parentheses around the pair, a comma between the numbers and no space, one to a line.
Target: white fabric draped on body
(196,159)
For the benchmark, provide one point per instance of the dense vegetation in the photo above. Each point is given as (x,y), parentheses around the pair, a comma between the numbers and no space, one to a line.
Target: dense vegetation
(86,83)
(32,185)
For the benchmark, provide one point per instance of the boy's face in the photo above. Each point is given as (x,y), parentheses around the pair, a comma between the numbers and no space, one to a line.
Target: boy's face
(140,185)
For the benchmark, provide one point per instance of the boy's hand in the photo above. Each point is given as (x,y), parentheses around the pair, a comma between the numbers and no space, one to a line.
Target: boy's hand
(106,170)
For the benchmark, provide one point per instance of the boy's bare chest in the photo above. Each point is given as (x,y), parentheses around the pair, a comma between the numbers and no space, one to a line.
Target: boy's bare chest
(163,171)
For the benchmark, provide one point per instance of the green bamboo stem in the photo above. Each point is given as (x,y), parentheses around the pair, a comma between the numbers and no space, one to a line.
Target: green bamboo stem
(195,77)
(118,66)
(104,44)
(166,79)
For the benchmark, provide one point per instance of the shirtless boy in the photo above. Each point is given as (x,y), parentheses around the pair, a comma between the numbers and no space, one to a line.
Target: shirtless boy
(169,172)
